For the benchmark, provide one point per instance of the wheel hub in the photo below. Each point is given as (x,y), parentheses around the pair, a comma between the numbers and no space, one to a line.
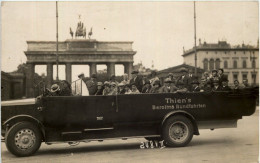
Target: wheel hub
(178,131)
(25,139)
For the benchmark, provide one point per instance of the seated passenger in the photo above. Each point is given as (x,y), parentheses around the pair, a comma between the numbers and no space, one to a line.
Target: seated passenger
(203,84)
(121,89)
(99,88)
(125,79)
(156,87)
(168,88)
(195,86)
(113,79)
(225,86)
(127,89)
(207,87)
(79,87)
(216,86)
(106,88)
(113,89)
(92,84)
(134,89)
(237,88)
(153,78)
(181,87)
(245,84)
(147,87)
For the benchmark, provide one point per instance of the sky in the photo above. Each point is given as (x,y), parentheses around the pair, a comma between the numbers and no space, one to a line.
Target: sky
(159,30)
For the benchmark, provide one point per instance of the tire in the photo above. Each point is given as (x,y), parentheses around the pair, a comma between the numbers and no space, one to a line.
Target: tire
(177,131)
(23,139)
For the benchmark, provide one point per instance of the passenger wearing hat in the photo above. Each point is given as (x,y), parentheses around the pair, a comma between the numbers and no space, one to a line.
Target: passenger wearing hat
(147,87)
(92,84)
(191,78)
(156,87)
(121,88)
(216,86)
(125,79)
(183,78)
(207,87)
(80,87)
(113,89)
(221,76)
(134,89)
(173,79)
(225,86)
(245,84)
(214,76)
(137,80)
(195,86)
(127,89)
(113,79)
(106,89)
(99,88)
(152,78)
(168,88)
(181,87)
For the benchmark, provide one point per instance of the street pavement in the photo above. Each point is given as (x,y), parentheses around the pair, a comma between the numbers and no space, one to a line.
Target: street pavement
(238,145)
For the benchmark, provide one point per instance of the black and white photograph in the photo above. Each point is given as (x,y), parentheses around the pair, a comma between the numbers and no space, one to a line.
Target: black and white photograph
(130,81)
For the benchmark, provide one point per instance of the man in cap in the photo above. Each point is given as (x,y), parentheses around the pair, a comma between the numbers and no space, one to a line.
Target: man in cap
(156,87)
(183,78)
(92,84)
(167,88)
(147,87)
(225,86)
(137,80)
(181,87)
(195,86)
(173,79)
(99,88)
(216,86)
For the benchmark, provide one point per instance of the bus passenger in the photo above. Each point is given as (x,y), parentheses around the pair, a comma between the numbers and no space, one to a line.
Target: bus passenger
(92,84)
(181,87)
(99,88)
(156,87)
(113,89)
(121,89)
(134,89)
(127,89)
(225,86)
(195,86)
(168,88)
(216,86)
(147,87)
(106,88)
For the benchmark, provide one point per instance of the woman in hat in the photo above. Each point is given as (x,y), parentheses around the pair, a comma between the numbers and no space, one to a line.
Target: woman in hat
(156,87)
(127,89)
(121,89)
(147,87)
(134,89)
(106,88)
(113,89)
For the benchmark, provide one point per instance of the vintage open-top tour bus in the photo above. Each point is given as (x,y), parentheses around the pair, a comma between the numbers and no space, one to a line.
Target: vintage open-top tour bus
(172,117)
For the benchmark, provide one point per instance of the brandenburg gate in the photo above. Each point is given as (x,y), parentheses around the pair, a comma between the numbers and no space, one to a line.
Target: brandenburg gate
(77,51)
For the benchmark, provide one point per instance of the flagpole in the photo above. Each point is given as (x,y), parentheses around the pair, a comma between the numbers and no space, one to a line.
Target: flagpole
(57,43)
(195,44)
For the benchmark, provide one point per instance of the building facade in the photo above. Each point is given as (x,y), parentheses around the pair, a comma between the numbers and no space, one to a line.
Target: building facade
(239,62)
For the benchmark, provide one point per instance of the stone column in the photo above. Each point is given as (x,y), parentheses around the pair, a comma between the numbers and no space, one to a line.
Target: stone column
(49,75)
(130,69)
(92,69)
(126,66)
(68,72)
(30,80)
(110,69)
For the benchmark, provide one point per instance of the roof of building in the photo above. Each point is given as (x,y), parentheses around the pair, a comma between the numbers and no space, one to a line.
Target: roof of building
(220,46)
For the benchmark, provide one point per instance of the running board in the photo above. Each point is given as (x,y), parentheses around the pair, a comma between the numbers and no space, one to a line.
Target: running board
(98,129)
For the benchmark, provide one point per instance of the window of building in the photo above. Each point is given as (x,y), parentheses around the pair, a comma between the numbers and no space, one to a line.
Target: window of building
(244,76)
(217,64)
(244,64)
(225,52)
(211,64)
(254,78)
(205,64)
(253,63)
(235,64)
(216,52)
(235,77)
(235,52)
(225,64)
(244,52)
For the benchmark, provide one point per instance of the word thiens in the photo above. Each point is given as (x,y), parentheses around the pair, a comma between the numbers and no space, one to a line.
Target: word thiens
(152,144)
(177,100)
